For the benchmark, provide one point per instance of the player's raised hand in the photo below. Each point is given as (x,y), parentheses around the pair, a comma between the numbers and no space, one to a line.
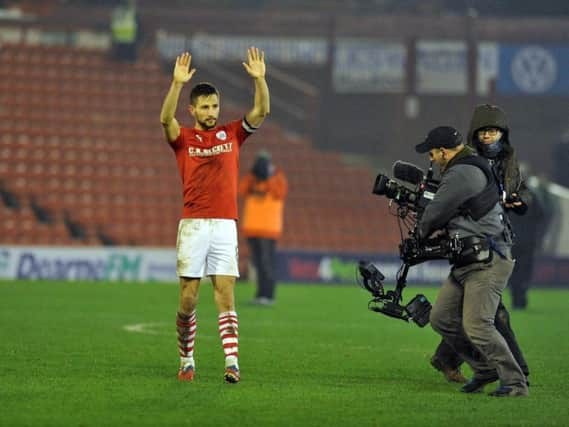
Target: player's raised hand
(182,71)
(255,64)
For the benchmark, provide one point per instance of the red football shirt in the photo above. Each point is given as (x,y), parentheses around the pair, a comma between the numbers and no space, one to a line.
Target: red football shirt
(208,162)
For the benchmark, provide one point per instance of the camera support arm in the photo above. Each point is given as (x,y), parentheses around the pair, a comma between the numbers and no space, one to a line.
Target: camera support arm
(389,302)
(401,282)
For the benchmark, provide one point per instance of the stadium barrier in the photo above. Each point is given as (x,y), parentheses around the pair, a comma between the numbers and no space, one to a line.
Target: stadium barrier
(147,265)
(340,268)
(97,264)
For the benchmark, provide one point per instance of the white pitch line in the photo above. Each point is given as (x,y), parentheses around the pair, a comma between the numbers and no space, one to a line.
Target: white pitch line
(150,329)
(145,328)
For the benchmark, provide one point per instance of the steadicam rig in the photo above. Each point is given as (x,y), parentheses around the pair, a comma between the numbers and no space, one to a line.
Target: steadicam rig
(410,205)
(389,302)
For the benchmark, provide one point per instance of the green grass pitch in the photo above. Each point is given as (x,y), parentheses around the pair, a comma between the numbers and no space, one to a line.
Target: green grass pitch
(91,354)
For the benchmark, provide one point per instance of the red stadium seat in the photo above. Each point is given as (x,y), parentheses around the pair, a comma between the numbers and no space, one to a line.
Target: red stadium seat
(78,138)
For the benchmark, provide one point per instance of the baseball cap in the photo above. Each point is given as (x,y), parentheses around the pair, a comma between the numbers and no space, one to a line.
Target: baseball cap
(440,137)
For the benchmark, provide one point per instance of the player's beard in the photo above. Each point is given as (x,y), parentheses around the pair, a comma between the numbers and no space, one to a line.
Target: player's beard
(206,124)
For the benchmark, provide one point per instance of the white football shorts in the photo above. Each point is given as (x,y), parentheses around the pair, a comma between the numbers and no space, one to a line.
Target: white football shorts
(207,247)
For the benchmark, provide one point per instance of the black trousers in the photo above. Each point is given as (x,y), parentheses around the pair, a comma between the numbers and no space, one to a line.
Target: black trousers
(263,255)
(522,275)
(448,357)
(124,52)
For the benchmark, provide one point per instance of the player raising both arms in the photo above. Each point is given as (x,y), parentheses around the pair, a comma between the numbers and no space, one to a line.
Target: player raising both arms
(208,161)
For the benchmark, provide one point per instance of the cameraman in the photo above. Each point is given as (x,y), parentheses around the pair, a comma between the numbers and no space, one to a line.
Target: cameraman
(467,206)
(264,189)
(489,134)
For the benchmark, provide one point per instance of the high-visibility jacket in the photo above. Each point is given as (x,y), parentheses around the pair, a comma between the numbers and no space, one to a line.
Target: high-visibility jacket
(123,25)
(264,205)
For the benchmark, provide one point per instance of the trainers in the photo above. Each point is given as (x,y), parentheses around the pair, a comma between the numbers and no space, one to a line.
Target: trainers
(510,391)
(476,385)
(452,375)
(231,375)
(186,373)
(264,301)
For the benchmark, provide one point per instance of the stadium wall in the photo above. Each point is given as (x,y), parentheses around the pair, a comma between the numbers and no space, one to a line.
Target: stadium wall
(159,265)
(96,264)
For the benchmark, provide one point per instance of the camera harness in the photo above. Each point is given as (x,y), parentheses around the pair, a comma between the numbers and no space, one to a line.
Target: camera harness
(483,202)
(479,205)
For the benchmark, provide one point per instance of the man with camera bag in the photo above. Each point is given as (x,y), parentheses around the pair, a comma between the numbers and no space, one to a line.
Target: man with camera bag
(466,206)
(489,135)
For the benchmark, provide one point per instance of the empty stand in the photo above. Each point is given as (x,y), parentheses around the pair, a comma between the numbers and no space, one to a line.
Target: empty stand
(79,136)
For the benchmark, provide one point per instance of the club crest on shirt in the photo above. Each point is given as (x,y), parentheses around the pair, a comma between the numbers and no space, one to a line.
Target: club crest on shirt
(222,135)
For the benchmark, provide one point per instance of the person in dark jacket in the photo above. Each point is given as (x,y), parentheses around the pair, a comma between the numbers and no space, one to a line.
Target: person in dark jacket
(530,231)
(489,135)
(467,207)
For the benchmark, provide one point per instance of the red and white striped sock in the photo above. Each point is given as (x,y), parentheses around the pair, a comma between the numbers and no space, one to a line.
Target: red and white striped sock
(186,328)
(229,333)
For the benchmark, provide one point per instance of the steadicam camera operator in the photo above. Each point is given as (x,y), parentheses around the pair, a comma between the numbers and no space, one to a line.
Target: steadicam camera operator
(466,207)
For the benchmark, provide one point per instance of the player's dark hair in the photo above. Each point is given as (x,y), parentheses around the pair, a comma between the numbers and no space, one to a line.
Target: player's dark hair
(202,89)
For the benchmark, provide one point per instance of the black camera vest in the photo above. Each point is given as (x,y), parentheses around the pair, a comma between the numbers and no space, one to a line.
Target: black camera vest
(482,203)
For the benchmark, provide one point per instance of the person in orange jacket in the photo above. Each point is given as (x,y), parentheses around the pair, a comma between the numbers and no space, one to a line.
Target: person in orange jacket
(264,190)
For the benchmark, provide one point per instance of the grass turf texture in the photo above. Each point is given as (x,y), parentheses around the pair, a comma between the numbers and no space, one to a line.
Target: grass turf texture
(317,358)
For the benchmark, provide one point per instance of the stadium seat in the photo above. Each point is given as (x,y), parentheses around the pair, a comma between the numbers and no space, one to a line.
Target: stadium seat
(79,139)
